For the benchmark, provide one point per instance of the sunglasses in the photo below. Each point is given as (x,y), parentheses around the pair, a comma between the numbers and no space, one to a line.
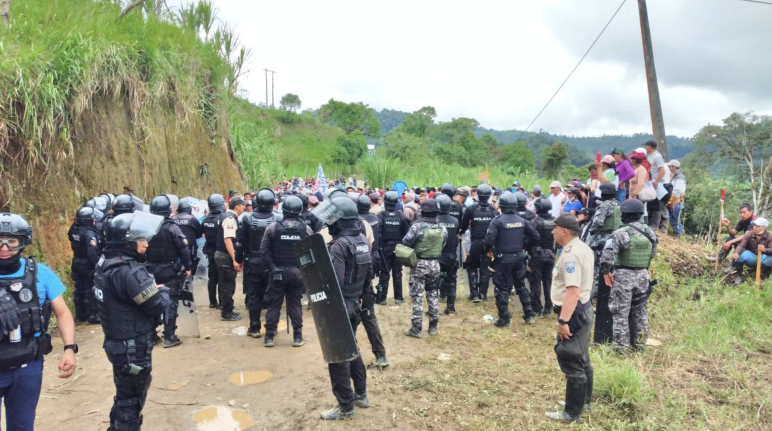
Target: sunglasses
(11,242)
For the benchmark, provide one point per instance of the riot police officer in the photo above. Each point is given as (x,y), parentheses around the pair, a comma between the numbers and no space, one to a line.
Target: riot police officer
(520,209)
(190,227)
(352,262)
(306,216)
(541,263)
(122,204)
(369,320)
(86,249)
(278,253)
(130,305)
(508,236)
(394,227)
(256,274)
(448,258)
(455,209)
(476,219)
(168,259)
(211,225)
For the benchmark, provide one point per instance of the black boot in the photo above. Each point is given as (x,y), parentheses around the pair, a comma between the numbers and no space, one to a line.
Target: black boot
(588,397)
(433,328)
(576,393)
(738,268)
(268,340)
(474,287)
(451,307)
(298,340)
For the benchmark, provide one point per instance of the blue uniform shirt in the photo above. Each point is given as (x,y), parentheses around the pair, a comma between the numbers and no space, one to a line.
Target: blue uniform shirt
(48,284)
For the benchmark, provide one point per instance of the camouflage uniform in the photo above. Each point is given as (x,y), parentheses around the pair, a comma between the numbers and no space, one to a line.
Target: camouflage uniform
(627,301)
(424,276)
(599,235)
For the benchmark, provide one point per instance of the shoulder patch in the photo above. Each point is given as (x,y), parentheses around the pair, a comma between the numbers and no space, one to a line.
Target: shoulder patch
(92,243)
(570,267)
(567,249)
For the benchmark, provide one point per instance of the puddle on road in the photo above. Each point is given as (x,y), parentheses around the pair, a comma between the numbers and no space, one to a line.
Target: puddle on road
(244,378)
(222,419)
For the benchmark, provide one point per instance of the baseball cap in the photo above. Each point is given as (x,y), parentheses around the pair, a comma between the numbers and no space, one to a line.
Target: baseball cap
(536,189)
(555,184)
(516,184)
(231,192)
(617,150)
(313,200)
(607,159)
(640,150)
(566,221)
(236,200)
(374,196)
(675,163)
(638,155)
(760,221)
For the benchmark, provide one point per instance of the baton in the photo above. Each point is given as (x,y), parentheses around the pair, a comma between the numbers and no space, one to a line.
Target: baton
(286,303)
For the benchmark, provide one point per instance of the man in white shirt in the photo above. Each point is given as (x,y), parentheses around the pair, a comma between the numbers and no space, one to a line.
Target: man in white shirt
(658,216)
(557,198)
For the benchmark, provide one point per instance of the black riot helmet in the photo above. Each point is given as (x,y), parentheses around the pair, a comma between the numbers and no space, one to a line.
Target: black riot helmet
(126,229)
(507,203)
(109,197)
(292,206)
(542,205)
(14,225)
(447,189)
(608,191)
(363,204)
(390,200)
(85,215)
(429,208)
(185,206)
(123,204)
(216,203)
(484,192)
(264,199)
(91,203)
(521,200)
(445,203)
(333,193)
(161,205)
(632,206)
(348,214)
(303,198)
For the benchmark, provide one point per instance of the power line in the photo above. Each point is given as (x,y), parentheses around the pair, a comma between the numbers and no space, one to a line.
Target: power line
(758,1)
(574,70)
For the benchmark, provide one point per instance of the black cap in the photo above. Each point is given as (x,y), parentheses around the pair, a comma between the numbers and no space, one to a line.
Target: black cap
(236,200)
(564,220)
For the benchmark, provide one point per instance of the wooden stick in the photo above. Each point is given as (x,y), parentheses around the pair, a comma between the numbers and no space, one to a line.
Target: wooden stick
(718,236)
(758,270)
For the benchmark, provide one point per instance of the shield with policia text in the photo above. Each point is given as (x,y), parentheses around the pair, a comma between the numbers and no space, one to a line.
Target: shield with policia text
(333,327)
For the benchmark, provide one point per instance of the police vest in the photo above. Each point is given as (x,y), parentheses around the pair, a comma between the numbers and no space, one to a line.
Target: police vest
(392,227)
(527,215)
(305,217)
(483,214)
(374,223)
(34,319)
(357,262)
(162,248)
(78,240)
(638,252)
(614,221)
(287,233)
(455,211)
(221,235)
(211,225)
(430,246)
(510,236)
(121,318)
(258,222)
(546,240)
(451,224)
(185,223)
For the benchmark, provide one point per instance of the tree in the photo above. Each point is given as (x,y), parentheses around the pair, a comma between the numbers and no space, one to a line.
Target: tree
(350,148)
(351,117)
(518,156)
(290,102)
(744,144)
(420,122)
(553,158)
(402,146)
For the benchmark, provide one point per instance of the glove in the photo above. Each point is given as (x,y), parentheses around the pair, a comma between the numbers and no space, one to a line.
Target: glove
(276,274)
(10,315)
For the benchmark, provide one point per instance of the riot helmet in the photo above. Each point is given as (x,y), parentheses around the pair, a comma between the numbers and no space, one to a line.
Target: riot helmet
(347,209)
(216,203)
(363,204)
(123,204)
(264,199)
(125,229)
(15,232)
(608,190)
(447,189)
(85,215)
(185,206)
(429,208)
(542,205)
(175,201)
(445,203)
(390,200)
(292,206)
(161,205)
(521,199)
(109,197)
(632,206)
(508,203)
(484,192)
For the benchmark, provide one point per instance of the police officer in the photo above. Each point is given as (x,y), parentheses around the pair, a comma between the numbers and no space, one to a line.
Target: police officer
(455,209)
(278,253)
(507,237)
(394,227)
(211,224)
(369,320)
(130,305)
(521,210)
(625,265)
(572,280)
(225,257)
(190,227)
(541,263)
(448,258)
(256,274)
(28,292)
(168,259)
(306,216)
(352,262)
(428,239)
(86,249)
(607,219)
(476,220)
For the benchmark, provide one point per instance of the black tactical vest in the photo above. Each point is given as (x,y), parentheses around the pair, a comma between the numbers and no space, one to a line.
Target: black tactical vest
(357,261)
(511,234)
(221,234)
(33,319)
(527,215)
(375,224)
(162,248)
(184,221)
(456,211)
(121,318)
(211,225)
(78,239)
(392,226)
(451,224)
(483,214)
(257,223)
(287,233)
(546,240)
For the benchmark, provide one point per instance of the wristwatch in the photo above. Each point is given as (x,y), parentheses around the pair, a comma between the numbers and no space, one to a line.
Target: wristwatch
(562,322)
(73,347)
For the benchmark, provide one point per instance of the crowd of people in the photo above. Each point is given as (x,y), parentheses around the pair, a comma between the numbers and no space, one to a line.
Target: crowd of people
(558,252)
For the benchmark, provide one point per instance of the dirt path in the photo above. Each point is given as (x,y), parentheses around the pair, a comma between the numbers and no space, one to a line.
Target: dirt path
(193,377)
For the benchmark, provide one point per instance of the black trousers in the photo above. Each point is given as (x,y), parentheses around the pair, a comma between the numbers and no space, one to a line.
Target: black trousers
(131,386)
(448,275)
(654,213)
(574,354)
(541,275)
(604,321)
(478,261)
(226,275)
(510,271)
(291,287)
(370,322)
(394,268)
(212,275)
(342,374)
(168,275)
(83,297)
(255,285)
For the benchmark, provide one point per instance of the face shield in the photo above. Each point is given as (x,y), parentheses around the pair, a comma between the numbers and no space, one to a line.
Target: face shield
(98,215)
(175,202)
(101,203)
(327,212)
(139,205)
(144,226)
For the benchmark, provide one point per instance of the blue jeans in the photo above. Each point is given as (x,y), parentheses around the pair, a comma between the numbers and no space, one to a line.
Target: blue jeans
(675,221)
(20,389)
(749,258)
(621,195)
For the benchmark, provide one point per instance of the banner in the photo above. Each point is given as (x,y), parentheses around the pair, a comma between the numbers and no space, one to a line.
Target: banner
(321,180)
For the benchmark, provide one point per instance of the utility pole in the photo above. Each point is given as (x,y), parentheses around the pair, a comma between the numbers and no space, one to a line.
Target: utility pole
(266,87)
(655,104)
(272,86)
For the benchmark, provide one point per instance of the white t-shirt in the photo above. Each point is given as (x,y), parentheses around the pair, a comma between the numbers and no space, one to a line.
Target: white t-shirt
(557,204)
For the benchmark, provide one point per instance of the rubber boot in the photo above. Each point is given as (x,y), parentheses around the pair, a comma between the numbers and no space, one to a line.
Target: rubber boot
(298,340)
(474,287)
(576,393)
(738,268)
(588,397)
(433,328)
(337,413)
(450,308)
(268,340)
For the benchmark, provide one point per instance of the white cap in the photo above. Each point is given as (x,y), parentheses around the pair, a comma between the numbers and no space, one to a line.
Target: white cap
(640,150)
(761,221)
(674,163)
(555,184)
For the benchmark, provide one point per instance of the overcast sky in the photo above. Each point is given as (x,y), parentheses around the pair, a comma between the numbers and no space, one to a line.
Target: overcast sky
(499,62)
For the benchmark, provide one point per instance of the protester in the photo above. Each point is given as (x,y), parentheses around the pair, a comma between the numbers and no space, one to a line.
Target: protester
(755,243)
(624,172)
(676,202)
(557,199)
(658,218)
(641,174)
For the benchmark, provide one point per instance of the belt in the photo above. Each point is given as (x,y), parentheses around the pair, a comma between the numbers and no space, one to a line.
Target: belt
(558,308)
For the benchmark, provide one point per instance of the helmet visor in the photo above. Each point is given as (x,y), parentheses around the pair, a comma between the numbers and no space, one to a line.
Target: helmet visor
(144,226)
(327,212)
(98,215)
(101,203)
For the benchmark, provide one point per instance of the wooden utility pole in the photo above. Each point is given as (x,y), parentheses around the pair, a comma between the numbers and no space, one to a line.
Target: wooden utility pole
(655,104)
(272,86)
(266,87)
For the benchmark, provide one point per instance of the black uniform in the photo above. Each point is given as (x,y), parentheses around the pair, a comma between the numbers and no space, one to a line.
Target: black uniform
(311,220)
(508,235)
(477,218)
(253,227)
(278,254)
(211,225)
(351,259)
(540,266)
(86,248)
(448,259)
(226,273)
(369,321)
(394,227)
(192,229)
(130,305)
(456,210)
